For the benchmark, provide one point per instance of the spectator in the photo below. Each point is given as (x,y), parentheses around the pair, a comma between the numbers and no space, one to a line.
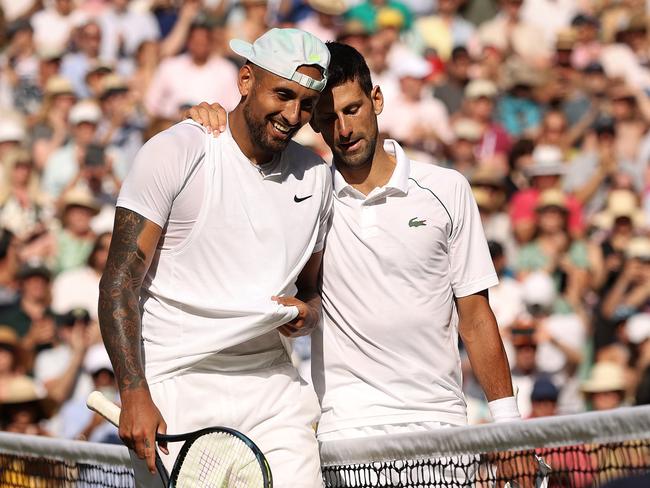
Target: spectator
(30,316)
(508,32)
(506,298)
(51,128)
(8,267)
(84,280)
(323,21)
(24,407)
(445,30)
(451,91)
(77,421)
(53,26)
(480,96)
(414,118)
(605,387)
(543,398)
(367,11)
(76,66)
(12,135)
(24,209)
(59,368)
(124,29)
(76,238)
(189,78)
(544,174)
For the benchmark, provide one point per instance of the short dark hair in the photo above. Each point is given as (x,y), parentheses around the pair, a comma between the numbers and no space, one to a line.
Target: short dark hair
(347,64)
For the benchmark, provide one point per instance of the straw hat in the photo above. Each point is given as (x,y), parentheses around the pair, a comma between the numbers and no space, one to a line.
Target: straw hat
(551,198)
(112,84)
(467,130)
(620,203)
(80,197)
(58,85)
(480,88)
(487,176)
(329,7)
(605,376)
(85,111)
(22,389)
(482,197)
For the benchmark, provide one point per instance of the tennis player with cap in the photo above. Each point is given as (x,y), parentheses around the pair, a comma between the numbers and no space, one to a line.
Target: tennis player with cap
(406,269)
(216,252)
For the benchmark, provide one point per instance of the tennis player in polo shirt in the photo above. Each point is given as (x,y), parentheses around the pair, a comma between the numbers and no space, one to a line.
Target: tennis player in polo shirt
(406,269)
(216,252)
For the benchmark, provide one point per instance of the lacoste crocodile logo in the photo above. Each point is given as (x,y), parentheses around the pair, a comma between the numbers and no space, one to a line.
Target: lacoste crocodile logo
(414,222)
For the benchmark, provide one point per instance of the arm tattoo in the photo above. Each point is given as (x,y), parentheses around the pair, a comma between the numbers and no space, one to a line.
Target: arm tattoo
(119,289)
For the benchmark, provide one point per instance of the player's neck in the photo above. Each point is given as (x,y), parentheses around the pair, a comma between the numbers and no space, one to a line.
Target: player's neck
(242,137)
(373,175)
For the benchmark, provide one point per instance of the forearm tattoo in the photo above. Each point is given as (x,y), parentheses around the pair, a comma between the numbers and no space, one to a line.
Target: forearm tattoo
(119,289)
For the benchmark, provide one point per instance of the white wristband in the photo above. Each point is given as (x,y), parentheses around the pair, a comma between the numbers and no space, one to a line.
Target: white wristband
(504,409)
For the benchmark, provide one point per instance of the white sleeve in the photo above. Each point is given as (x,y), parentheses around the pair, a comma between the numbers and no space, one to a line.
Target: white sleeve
(470,263)
(160,170)
(326,210)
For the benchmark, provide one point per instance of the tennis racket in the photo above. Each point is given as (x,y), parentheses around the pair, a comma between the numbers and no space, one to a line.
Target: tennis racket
(216,457)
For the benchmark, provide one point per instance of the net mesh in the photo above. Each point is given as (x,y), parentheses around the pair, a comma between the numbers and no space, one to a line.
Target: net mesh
(573,451)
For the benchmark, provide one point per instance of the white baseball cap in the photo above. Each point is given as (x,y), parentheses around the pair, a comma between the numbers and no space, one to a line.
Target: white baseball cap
(12,130)
(412,67)
(283,51)
(638,328)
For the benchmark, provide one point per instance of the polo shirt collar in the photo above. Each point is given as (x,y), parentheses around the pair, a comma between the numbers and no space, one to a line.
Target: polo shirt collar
(398,180)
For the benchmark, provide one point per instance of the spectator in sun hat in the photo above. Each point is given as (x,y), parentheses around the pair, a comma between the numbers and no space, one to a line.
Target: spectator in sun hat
(605,387)
(555,251)
(52,129)
(75,239)
(630,292)
(12,134)
(621,220)
(24,208)
(24,407)
(545,173)
(480,102)
(412,116)
(462,153)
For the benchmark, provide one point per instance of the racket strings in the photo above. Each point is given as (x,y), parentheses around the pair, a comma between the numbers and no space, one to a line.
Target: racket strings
(219,460)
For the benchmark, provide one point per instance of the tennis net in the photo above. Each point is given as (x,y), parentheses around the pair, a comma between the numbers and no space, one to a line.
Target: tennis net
(570,451)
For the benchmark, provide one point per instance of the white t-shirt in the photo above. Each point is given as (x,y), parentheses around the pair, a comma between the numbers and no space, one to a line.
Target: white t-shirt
(387,351)
(234,235)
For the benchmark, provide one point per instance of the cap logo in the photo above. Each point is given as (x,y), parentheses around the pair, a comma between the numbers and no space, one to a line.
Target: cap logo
(314,57)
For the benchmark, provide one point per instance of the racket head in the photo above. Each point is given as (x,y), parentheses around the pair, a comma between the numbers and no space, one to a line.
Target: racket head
(218,457)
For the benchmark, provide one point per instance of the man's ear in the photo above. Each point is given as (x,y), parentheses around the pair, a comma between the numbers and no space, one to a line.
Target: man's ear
(377,98)
(245,80)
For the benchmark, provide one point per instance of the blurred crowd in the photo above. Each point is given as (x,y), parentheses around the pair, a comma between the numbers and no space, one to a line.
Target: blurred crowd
(542,104)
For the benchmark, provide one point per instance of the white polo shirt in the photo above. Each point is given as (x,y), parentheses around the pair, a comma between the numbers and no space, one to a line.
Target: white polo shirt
(234,235)
(387,351)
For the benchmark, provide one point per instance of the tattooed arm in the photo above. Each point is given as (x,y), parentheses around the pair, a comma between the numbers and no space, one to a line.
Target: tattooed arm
(132,248)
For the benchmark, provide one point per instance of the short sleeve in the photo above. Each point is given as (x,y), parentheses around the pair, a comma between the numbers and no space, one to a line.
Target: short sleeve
(325,211)
(471,267)
(160,170)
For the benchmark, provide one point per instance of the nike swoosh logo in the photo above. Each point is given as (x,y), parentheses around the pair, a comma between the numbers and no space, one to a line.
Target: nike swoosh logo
(298,199)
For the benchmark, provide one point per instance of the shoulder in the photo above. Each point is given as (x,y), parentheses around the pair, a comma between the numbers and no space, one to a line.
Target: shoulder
(183,135)
(437,178)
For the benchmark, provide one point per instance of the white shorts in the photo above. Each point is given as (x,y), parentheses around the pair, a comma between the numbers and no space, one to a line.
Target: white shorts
(272,406)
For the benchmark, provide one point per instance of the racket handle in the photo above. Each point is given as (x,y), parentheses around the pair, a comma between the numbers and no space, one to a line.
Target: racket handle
(97,402)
